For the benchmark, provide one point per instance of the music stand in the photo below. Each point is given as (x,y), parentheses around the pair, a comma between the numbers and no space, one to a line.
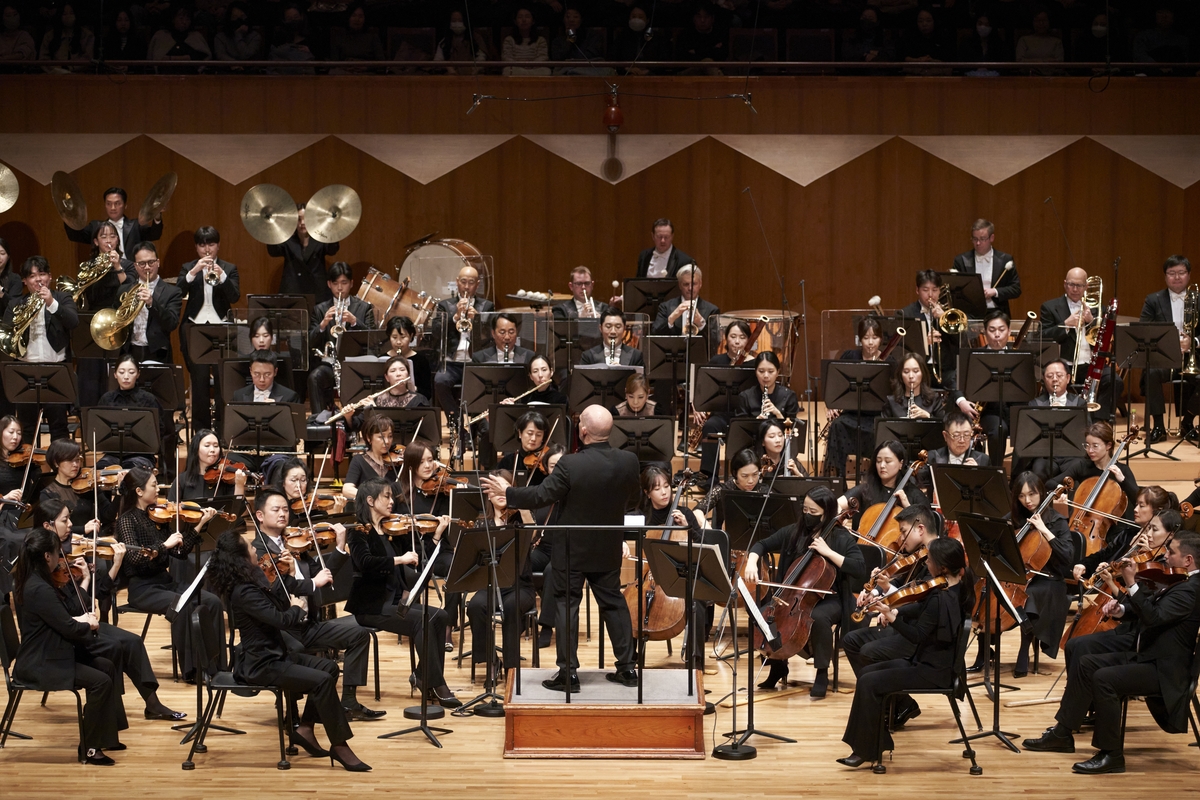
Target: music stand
(966,293)
(361,378)
(363,343)
(485,385)
(602,384)
(571,339)
(407,421)
(915,434)
(913,340)
(743,434)
(797,487)
(267,424)
(41,384)
(667,357)
(989,374)
(122,430)
(717,388)
(212,344)
(281,302)
(164,381)
(82,343)
(651,439)
(971,490)
(645,295)
(1149,345)
(1036,430)
(993,553)
(743,508)
(504,424)
(857,386)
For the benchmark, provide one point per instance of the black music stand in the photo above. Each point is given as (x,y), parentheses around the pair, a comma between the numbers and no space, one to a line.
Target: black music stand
(571,339)
(743,508)
(717,388)
(1149,345)
(82,343)
(41,384)
(485,385)
(999,376)
(797,487)
(857,386)
(915,434)
(503,422)
(164,381)
(408,422)
(966,293)
(913,339)
(264,424)
(667,357)
(1036,430)
(361,378)
(266,302)
(212,344)
(743,433)
(994,555)
(645,295)
(651,439)
(971,490)
(601,384)
(122,430)
(363,343)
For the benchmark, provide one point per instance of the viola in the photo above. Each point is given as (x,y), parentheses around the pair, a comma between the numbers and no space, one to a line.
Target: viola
(82,547)
(537,460)
(880,519)
(898,564)
(65,572)
(19,458)
(300,540)
(911,594)
(225,471)
(440,483)
(324,502)
(272,567)
(189,512)
(106,480)
(402,524)
(1105,496)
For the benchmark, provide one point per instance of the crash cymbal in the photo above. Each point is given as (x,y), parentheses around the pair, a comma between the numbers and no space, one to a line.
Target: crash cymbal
(333,213)
(68,200)
(157,199)
(269,214)
(9,189)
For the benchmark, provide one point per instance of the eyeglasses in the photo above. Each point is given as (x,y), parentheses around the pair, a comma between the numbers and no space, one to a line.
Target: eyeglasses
(149,263)
(1070,285)
(1178,273)
(959,437)
(582,283)
(981,238)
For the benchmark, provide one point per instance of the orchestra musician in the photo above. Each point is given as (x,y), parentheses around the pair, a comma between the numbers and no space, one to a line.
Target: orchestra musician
(421,489)
(10,279)
(262,618)
(291,477)
(1151,501)
(1166,306)
(303,262)
(402,391)
(613,350)
(592,487)
(101,294)
(129,230)
(959,436)
(532,429)
(1000,280)
(1098,445)
(14,486)
(342,310)
(49,339)
(381,587)
(64,458)
(205,454)
(210,286)
(150,335)
(663,260)
(919,528)
(261,331)
(128,394)
(837,547)
(911,397)
(454,345)
(264,367)
(770,398)
(1061,318)
(504,348)
(637,402)
(744,476)
(932,630)
(583,304)
(737,349)
(1151,658)
(402,332)
(538,370)
(541,554)
(688,313)
(888,463)
(853,432)
(1056,394)
(306,577)
(994,419)
(927,309)
(51,656)
(769,445)
(377,461)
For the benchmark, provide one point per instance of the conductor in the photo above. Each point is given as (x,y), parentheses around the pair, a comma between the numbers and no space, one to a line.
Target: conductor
(591,487)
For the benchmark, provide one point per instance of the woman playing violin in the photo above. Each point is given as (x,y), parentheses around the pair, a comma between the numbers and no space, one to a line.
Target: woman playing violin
(1046,595)
(745,472)
(933,630)
(911,397)
(124,648)
(1098,445)
(65,459)
(837,547)
(540,554)
(403,392)
(293,481)
(538,370)
(853,433)
(151,586)
(1151,501)
(526,464)
(376,462)
(206,457)
(888,465)
(13,486)
(770,445)
(381,584)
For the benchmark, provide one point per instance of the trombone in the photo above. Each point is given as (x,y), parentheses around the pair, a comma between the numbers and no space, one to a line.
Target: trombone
(1092,301)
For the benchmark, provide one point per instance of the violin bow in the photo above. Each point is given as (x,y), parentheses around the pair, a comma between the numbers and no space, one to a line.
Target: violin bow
(313,534)
(32,448)
(220,476)
(316,485)
(95,511)
(545,446)
(267,548)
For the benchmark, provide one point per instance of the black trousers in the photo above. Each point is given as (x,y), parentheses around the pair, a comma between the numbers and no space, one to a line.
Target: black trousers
(443,386)
(103,712)
(126,650)
(434,657)
(343,633)
(55,417)
(1078,696)
(316,678)
(540,560)
(717,423)
(825,616)
(996,430)
(874,684)
(867,646)
(614,612)
(515,606)
(321,382)
(157,595)
(1106,677)
(1156,404)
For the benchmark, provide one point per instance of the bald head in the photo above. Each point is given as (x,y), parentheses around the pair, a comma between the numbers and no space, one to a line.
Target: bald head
(595,424)
(1075,284)
(468,281)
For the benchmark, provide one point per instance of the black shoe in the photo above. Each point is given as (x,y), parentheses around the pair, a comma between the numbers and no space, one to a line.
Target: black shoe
(982,656)
(1156,435)
(311,747)
(906,714)
(444,697)
(625,677)
(559,684)
(359,767)
(116,748)
(1020,673)
(95,757)
(854,761)
(820,685)
(1089,720)
(363,714)
(1101,763)
(165,713)
(779,672)
(1051,742)
(545,636)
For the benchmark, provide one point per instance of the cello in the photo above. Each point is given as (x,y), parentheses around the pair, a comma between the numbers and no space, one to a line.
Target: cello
(788,607)
(1104,496)
(880,519)
(663,617)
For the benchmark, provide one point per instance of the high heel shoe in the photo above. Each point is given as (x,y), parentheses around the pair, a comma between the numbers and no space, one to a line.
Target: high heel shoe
(361,766)
(415,683)
(94,757)
(779,672)
(444,697)
(310,747)
(854,761)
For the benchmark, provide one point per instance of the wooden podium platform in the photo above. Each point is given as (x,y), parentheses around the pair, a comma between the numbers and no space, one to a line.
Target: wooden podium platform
(604,719)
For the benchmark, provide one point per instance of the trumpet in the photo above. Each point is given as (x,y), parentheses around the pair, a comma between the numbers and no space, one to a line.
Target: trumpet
(589,305)
(464,319)
(211,276)
(340,306)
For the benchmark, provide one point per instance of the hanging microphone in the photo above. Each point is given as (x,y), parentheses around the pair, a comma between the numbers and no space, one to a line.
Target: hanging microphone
(570,36)
(649,34)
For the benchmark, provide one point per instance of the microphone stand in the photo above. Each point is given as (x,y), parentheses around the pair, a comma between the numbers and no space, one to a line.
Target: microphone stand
(810,394)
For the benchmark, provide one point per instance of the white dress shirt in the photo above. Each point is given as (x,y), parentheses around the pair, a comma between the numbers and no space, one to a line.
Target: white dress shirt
(39,350)
(1085,349)
(983,266)
(261,396)
(143,317)
(208,312)
(658,263)
(1176,309)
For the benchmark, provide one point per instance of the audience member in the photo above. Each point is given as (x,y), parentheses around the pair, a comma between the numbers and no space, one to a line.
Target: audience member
(123,42)
(574,42)
(237,41)
(1162,44)
(459,44)
(357,42)
(868,42)
(66,39)
(985,44)
(636,41)
(1041,45)
(15,44)
(179,42)
(704,42)
(525,44)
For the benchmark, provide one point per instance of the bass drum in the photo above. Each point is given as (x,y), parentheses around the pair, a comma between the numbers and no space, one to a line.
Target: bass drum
(432,267)
(392,298)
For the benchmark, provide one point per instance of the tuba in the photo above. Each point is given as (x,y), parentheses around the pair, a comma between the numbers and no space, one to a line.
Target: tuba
(1191,317)
(14,338)
(111,326)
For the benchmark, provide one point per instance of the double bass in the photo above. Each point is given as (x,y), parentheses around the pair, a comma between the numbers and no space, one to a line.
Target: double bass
(879,520)
(663,617)
(1104,495)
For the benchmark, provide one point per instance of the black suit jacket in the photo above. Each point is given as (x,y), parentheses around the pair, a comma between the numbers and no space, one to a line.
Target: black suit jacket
(261,616)
(662,328)
(49,638)
(942,456)
(58,325)
(279,393)
(1157,307)
(949,343)
(1010,287)
(1052,315)
(132,232)
(443,318)
(592,487)
(490,355)
(364,315)
(567,309)
(375,574)
(630,356)
(677,259)
(163,317)
(303,267)
(1167,623)
(224,294)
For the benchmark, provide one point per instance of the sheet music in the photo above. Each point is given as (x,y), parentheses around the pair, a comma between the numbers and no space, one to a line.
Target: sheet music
(752,609)
(424,576)
(183,598)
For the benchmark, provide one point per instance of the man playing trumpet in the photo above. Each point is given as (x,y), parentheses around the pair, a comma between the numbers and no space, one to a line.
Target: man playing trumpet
(150,338)
(211,286)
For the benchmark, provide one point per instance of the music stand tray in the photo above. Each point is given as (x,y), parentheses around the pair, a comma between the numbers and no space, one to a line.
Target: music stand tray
(602,385)
(966,293)
(971,490)
(717,388)
(504,424)
(361,378)
(857,385)
(915,434)
(797,487)
(406,421)
(667,356)
(668,564)
(485,385)
(42,384)
(649,438)
(1003,376)
(122,430)
(212,344)
(742,509)
(645,295)
(1043,432)
(261,424)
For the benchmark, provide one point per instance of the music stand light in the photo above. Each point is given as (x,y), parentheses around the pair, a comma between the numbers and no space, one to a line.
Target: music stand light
(651,439)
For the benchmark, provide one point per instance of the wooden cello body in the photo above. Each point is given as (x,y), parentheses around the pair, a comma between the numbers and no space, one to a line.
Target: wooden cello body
(663,617)
(878,522)
(1103,495)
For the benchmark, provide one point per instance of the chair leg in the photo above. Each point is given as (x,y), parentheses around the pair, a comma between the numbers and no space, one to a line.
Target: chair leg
(375,648)
(202,728)
(974,711)
(1124,716)
(221,706)
(837,646)
(1192,720)
(283,762)
(78,713)
(45,697)
(412,660)
(10,714)
(968,752)
(146,627)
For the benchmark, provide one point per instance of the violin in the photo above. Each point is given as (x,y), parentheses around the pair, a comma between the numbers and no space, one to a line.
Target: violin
(65,572)
(189,512)
(19,458)
(402,524)
(105,479)
(395,456)
(82,547)
(300,540)
(1091,618)
(440,482)
(899,563)
(271,567)
(911,594)
(324,502)
(537,460)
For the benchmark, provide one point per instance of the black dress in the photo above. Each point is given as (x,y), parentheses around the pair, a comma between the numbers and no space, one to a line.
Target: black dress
(1046,597)
(10,538)
(897,405)
(362,470)
(522,475)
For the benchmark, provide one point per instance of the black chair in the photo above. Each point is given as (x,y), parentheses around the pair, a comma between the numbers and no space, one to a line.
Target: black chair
(9,644)
(957,685)
(1192,712)
(207,652)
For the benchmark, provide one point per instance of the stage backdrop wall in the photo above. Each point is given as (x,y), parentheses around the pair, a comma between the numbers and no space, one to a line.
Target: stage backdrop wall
(859,181)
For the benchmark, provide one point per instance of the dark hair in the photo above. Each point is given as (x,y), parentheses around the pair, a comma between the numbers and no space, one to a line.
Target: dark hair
(5,421)
(827,500)
(1102,431)
(403,324)
(742,326)
(264,357)
(191,465)
(230,565)
(1188,542)
(260,500)
(1171,520)
(1058,361)
(75,48)
(996,313)
(1156,497)
(369,490)
(8,263)
(954,417)
(146,246)
(337,270)
(502,315)
(534,418)
(60,451)
(867,324)
(636,381)
(108,223)
(279,470)
(767,355)
(899,392)
(948,553)
(1026,480)
(127,357)
(921,515)
(1172,261)
(135,479)
(874,484)
(516,30)
(612,312)
(650,476)
(662,222)
(376,425)
(207,234)
(742,458)
(47,509)
(537,357)
(764,428)
(925,276)
(397,359)
(414,451)
(34,263)
(38,542)
(262,322)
